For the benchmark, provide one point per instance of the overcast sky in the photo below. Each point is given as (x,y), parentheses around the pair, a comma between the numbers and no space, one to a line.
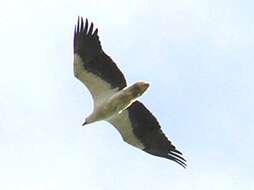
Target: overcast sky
(198,57)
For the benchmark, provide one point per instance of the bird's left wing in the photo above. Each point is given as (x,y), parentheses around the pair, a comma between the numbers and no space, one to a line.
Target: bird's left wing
(92,66)
(141,129)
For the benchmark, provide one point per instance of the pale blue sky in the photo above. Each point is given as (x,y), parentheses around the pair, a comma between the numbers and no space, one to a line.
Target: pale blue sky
(198,57)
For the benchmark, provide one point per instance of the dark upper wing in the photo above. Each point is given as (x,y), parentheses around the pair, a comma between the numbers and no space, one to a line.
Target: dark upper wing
(91,65)
(140,128)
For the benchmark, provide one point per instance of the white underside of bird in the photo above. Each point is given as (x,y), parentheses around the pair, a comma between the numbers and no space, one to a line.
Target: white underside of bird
(111,103)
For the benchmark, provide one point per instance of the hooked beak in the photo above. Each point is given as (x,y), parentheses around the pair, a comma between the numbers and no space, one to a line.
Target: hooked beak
(146,85)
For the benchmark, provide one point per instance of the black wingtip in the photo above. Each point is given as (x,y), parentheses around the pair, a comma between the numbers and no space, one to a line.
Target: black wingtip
(83,26)
(169,155)
(95,32)
(90,29)
(176,158)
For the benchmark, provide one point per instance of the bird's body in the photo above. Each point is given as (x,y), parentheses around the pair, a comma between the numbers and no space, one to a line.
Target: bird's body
(113,105)
(114,101)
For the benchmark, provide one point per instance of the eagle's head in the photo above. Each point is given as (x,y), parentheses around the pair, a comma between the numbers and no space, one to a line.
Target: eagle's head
(139,88)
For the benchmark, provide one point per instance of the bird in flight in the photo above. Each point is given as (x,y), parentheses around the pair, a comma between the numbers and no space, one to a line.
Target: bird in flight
(113,100)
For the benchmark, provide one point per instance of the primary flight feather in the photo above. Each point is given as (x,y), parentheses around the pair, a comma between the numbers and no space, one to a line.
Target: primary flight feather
(114,101)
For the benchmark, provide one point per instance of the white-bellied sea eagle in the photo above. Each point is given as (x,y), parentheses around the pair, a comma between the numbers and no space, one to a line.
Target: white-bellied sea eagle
(114,101)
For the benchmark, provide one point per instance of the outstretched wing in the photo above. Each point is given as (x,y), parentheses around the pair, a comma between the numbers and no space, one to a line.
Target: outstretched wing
(92,66)
(141,129)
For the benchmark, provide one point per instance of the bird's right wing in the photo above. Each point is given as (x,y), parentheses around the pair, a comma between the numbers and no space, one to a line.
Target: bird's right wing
(140,128)
(92,66)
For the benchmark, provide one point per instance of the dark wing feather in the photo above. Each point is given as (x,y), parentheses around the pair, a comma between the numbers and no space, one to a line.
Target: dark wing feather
(92,63)
(148,131)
